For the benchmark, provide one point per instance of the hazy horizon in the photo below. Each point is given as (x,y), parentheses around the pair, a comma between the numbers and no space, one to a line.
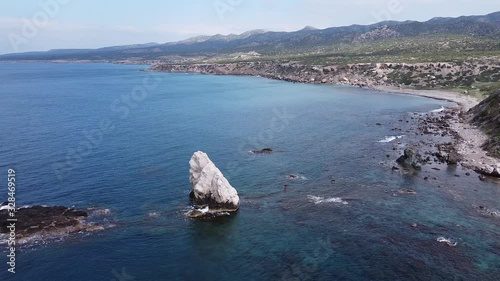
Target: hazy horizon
(71,24)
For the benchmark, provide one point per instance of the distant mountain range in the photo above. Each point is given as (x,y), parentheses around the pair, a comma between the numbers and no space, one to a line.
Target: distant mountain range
(276,43)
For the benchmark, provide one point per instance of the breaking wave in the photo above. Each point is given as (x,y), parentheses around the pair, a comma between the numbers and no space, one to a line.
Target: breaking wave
(438,110)
(448,241)
(318,200)
(391,138)
(296,177)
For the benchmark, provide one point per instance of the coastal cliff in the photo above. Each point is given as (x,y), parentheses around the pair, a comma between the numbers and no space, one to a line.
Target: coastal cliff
(486,116)
(370,75)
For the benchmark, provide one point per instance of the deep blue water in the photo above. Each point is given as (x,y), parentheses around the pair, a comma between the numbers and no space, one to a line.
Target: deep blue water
(140,165)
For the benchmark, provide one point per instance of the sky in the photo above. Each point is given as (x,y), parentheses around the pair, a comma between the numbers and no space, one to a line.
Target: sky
(39,25)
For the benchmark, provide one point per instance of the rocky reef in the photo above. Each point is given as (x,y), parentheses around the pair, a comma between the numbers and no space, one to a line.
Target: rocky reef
(45,221)
(212,194)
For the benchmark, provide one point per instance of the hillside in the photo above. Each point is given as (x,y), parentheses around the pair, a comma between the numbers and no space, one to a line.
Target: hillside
(418,76)
(486,115)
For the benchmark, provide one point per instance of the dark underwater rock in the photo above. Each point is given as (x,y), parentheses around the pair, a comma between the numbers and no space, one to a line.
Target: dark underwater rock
(263,151)
(40,217)
(35,219)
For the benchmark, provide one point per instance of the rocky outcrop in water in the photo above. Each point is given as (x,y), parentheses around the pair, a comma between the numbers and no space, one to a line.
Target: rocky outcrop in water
(263,151)
(43,220)
(410,159)
(212,192)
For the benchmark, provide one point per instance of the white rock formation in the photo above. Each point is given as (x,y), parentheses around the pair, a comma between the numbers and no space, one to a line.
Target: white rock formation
(210,187)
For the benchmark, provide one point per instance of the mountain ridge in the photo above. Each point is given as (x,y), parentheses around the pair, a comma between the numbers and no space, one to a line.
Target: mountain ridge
(265,42)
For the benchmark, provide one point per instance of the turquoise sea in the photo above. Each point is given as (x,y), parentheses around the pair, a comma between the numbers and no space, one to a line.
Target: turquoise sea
(116,137)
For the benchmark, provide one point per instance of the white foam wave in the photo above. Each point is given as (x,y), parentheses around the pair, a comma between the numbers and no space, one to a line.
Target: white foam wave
(204,210)
(296,177)
(448,241)
(318,200)
(391,138)
(193,211)
(3,238)
(438,110)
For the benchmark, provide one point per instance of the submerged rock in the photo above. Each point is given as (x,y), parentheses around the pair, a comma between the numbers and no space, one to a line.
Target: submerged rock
(487,211)
(408,191)
(211,190)
(263,151)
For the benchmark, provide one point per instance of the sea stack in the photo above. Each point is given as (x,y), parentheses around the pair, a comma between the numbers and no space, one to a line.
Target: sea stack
(210,188)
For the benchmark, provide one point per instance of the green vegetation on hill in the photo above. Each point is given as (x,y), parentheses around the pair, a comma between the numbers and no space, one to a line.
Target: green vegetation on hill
(487,116)
(449,48)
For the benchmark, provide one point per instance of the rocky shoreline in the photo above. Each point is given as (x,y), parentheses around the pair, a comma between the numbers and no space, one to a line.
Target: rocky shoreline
(466,146)
(370,76)
(450,140)
(399,76)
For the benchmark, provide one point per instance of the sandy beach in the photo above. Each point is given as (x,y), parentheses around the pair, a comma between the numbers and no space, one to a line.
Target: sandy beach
(464,101)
